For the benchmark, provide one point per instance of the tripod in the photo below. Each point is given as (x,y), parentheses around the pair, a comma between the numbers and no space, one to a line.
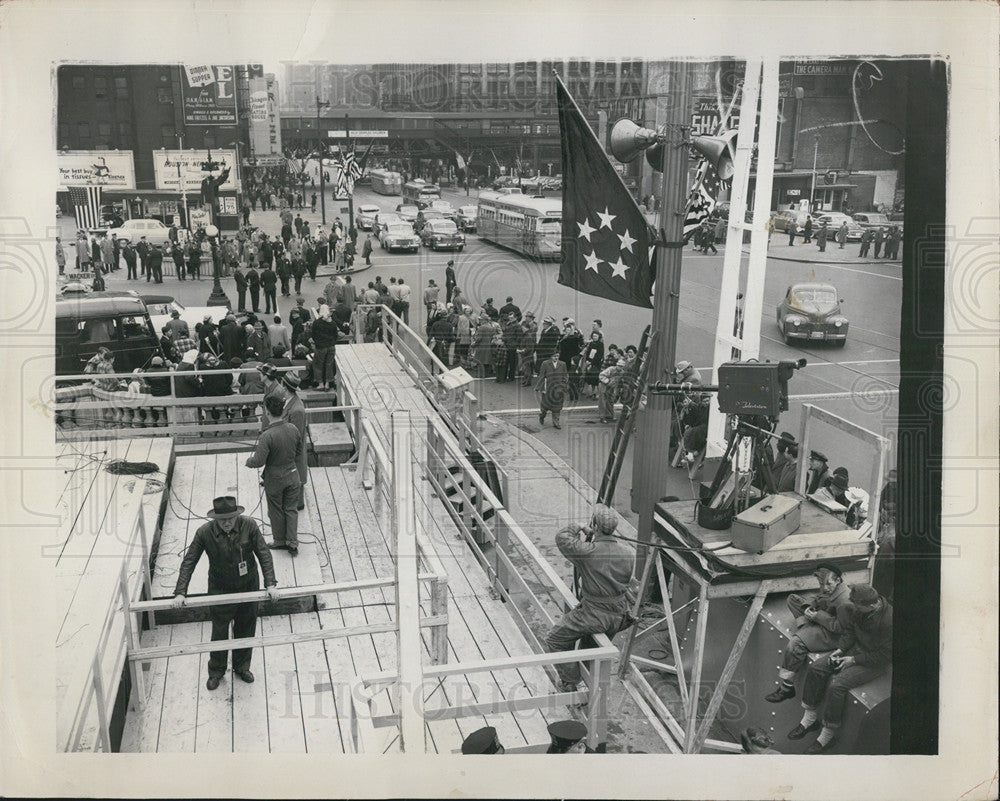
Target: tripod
(746,463)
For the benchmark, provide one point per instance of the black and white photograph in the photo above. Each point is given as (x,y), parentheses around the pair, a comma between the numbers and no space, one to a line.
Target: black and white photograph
(383,389)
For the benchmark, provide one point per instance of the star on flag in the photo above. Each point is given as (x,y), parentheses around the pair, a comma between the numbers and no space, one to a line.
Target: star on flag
(585,229)
(627,241)
(618,268)
(592,261)
(606,218)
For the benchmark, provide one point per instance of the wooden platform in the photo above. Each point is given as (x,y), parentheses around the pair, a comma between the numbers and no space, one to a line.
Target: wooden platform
(96,541)
(297,703)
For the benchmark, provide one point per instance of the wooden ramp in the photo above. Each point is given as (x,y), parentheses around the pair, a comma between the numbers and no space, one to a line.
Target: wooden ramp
(299,700)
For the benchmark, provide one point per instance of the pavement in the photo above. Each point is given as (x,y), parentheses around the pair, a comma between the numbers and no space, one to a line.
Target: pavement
(809,252)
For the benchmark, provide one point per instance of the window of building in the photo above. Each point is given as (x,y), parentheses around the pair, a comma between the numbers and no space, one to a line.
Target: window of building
(121,88)
(100,86)
(83,130)
(104,129)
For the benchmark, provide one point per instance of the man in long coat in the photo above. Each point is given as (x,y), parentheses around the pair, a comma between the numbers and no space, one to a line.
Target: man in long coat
(553,384)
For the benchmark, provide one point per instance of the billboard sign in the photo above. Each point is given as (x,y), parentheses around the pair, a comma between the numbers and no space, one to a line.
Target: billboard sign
(358,134)
(265,131)
(112,169)
(167,162)
(209,95)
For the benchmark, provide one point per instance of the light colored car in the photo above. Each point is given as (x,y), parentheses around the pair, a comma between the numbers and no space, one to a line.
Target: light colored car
(387,219)
(812,312)
(442,234)
(399,237)
(407,212)
(161,306)
(443,206)
(156,233)
(467,218)
(833,220)
(871,219)
(366,216)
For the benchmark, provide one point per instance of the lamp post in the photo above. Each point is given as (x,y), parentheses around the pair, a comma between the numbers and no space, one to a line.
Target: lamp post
(812,189)
(320,152)
(218,296)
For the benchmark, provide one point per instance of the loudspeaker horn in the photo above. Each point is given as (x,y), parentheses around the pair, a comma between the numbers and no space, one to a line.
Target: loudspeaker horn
(719,150)
(628,140)
(654,157)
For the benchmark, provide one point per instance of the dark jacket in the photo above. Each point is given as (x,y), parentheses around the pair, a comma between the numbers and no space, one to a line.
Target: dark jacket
(232,337)
(548,341)
(158,387)
(225,553)
(268,279)
(219,384)
(868,640)
(277,450)
(324,333)
(604,565)
(186,384)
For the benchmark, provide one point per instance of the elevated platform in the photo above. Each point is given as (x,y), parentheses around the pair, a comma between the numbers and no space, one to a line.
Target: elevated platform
(298,703)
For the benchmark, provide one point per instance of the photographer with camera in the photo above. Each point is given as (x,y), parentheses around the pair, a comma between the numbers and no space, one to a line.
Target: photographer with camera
(604,564)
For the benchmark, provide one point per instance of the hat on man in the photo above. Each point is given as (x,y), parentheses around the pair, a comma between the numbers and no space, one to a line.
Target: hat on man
(682,366)
(830,567)
(156,361)
(548,319)
(819,457)
(841,471)
(864,594)
(787,436)
(451,262)
(236,361)
(530,314)
(291,380)
(569,321)
(510,298)
(175,314)
(839,481)
(268,370)
(482,741)
(605,518)
(565,734)
(224,507)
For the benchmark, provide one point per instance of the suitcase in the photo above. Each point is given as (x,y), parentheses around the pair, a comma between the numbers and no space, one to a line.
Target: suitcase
(766,523)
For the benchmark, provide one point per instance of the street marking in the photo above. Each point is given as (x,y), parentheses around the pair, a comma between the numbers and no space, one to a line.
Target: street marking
(865,393)
(863,272)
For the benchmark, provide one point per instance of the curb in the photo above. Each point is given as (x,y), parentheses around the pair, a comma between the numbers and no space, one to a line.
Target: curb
(821,261)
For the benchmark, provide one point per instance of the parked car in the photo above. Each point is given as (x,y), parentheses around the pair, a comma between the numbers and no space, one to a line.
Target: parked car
(388,219)
(467,218)
(812,312)
(781,220)
(366,216)
(442,234)
(86,321)
(407,212)
(133,230)
(870,219)
(160,308)
(399,237)
(833,220)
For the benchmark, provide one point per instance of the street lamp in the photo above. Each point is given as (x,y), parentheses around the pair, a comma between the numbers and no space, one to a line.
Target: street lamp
(321,150)
(218,296)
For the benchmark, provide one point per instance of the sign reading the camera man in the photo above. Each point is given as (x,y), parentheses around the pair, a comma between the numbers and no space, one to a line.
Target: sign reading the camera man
(209,95)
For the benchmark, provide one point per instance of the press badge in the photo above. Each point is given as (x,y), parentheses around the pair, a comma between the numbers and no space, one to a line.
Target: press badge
(243,568)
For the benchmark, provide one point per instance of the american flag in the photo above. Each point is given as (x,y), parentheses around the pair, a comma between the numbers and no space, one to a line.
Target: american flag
(701,200)
(86,202)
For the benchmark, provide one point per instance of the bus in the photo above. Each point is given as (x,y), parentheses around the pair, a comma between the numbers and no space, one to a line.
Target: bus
(420,193)
(386,182)
(528,225)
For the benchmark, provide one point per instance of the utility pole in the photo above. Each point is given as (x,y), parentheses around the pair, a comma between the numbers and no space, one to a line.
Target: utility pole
(812,190)
(180,182)
(321,151)
(651,459)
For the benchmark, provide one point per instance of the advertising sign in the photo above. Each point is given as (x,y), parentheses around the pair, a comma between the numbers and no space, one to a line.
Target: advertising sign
(112,169)
(824,67)
(227,205)
(359,134)
(166,163)
(209,102)
(265,131)
(705,117)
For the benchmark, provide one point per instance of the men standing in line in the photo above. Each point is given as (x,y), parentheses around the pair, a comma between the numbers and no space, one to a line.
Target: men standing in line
(792,228)
(819,619)
(842,235)
(877,239)
(269,283)
(553,384)
(154,265)
(821,238)
(604,565)
(807,231)
(866,240)
(526,349)
(865,653)
(241,288)
(277,452)
(107,254)
(253,285)
(449,281)
(232,542)
(548,340)
(143,250)
(324,335)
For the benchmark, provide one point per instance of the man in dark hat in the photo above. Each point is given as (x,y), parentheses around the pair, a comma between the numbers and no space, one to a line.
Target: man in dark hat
(865,653)
(565,734)
(277,452)
(817,473)
(482,741)
(232,542)
(176,326)
(553,386)
(295,413)
(819,620)
(449,281)
(781,459)
(604,565)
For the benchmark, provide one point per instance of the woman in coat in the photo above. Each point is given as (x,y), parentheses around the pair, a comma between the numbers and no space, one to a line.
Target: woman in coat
(482,344)
(591,363)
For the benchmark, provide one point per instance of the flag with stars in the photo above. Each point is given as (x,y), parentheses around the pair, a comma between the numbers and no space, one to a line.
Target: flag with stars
(607,243)
(701,200)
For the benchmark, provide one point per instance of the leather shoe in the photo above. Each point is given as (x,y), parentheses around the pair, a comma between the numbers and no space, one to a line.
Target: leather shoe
(556,425)
(818,748)
(801,731)
(783,693)
(292,551)
(246,675)
(541,419)
(212,683)
(277,546)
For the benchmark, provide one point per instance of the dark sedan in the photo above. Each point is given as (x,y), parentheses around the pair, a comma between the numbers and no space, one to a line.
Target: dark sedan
(812,312)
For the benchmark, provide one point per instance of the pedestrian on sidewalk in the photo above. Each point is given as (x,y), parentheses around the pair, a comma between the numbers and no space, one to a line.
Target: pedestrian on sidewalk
(877,239)
(450,281)
(866,240)
(821,238)
(792,228)
(232,542)
(553,386)
(842,235)
(892,243)
(60,256)
(807,231)
(366,251)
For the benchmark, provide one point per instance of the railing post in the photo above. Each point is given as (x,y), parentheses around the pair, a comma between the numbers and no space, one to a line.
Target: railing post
(500,545)
(597,709)
(147,581)
(102,708)
(137,696)
(439,606)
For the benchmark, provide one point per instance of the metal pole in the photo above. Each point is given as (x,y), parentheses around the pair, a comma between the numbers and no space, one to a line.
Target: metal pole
(182,185)
(322,179)
(651,461)
(350,189)
(812,189)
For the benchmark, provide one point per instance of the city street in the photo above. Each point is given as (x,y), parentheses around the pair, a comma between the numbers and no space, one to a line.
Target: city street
(857,382)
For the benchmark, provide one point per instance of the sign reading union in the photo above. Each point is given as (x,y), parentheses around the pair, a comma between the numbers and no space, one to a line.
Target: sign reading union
(174,167)
(112,169)
(210,102)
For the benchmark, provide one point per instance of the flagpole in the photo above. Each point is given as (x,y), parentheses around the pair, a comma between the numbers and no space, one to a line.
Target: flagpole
(651,459)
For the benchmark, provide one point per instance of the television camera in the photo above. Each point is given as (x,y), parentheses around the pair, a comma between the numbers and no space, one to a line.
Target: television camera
(753,394)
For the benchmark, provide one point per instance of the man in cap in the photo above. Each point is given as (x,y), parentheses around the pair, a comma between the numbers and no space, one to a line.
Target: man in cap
(819,620)
(295,413)
(449,281)
(604,565)
(277,452)
(785,440)
(565,735)
(232,542)
(817,473)
(865,653)
(548,339)
(685,373)
(482,742)
(177,326)
(526,349)
(553,386)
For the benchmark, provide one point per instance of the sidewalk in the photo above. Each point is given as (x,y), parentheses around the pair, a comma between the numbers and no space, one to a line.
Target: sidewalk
(809,253)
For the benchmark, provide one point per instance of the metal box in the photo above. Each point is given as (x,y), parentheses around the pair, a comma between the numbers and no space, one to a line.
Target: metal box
(766,523)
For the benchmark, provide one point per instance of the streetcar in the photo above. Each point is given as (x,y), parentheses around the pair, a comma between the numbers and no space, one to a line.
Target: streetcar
(386,182)
(420,193)
(528,225)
